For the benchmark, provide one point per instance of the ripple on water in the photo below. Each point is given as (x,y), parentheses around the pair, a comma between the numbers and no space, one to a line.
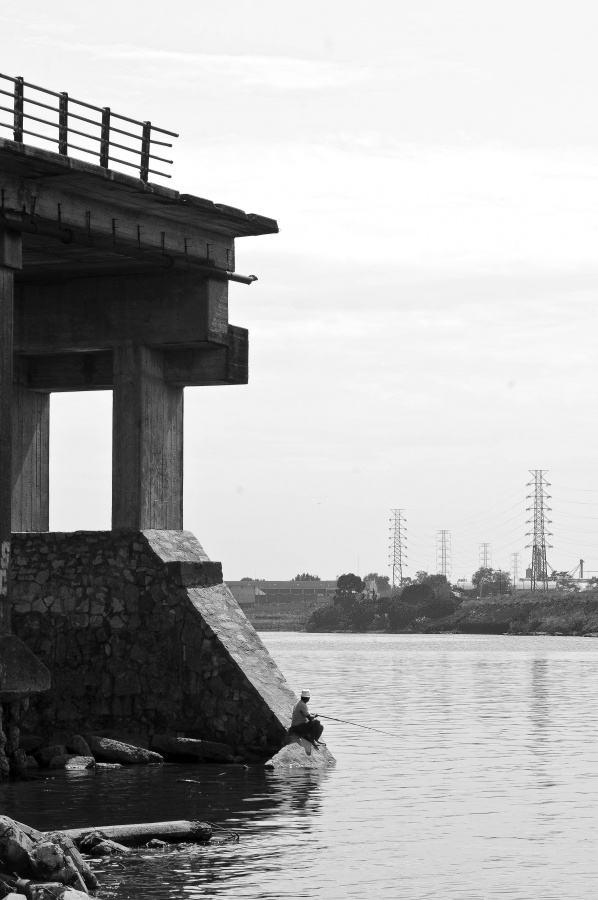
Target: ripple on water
(486,790)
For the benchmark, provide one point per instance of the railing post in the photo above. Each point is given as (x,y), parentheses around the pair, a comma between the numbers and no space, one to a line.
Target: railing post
(105,139)
(63,122)
(145,151)
(18,114)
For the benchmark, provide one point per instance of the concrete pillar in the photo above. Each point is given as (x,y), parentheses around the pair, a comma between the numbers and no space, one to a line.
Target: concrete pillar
(30,455)
(147,442)
(10,259)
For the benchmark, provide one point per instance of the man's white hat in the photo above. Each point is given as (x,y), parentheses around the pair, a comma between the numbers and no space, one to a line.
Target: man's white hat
(305,694)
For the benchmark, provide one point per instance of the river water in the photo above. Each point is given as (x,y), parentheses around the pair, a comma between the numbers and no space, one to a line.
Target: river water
(488,790)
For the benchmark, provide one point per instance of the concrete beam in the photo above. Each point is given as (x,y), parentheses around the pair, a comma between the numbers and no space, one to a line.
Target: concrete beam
(147,443)
(93,371)
(173,309)
(212,366)
(63,372)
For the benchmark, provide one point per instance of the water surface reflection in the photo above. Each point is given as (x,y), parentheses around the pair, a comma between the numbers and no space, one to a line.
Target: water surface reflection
(487,791)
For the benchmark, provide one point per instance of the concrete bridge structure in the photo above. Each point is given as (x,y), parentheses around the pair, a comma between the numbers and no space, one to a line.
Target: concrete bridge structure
(108,282)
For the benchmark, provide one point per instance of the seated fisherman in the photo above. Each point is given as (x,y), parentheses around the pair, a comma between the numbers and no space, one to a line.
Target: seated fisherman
(303,723)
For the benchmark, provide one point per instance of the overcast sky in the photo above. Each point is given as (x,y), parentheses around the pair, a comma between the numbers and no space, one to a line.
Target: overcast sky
(423,331)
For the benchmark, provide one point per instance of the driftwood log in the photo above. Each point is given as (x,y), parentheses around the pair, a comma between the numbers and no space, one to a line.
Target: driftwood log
(136,835)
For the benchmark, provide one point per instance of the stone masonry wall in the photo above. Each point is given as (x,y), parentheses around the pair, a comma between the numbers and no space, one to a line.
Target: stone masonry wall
(141,637)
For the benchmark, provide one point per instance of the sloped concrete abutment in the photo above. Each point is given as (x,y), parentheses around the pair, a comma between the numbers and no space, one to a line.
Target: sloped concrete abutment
(141,636)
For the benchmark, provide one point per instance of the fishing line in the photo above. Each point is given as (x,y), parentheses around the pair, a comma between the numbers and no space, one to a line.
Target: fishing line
(357,725)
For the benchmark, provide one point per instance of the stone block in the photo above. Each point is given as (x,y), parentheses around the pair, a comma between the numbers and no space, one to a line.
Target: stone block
(72,761)
(43,756)
(108,750)
(177,748)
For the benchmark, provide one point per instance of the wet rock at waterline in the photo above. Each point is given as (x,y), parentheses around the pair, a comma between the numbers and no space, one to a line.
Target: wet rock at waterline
(94,843)
(71,761)
(176,749)
(44,756)
(107,750)
(300,754)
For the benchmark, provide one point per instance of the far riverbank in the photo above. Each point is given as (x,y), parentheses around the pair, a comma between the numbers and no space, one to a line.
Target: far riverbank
(521,613)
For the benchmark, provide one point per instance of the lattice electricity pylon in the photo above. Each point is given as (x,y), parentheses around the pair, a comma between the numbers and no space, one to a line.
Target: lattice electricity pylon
(485,556)
(398,543)
(515,561)
(443,552)
(539,566)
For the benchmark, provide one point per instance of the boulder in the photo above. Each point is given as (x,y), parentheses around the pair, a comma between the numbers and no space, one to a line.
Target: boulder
(104,766)
(31,742)
(21,764)
(301,755)
(75,743)
(70,850)
(181,748)
(94,843)
(107,750)
(49,862)
(16,846)
(72,761)
(34,855)
(46,754)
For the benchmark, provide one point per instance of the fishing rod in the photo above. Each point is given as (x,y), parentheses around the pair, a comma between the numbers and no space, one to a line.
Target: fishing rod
(357,725)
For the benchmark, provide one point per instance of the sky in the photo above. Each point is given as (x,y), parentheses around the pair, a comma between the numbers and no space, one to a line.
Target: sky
(423,330)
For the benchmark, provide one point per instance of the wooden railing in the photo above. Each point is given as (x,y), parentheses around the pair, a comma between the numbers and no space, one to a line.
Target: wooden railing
(65,112)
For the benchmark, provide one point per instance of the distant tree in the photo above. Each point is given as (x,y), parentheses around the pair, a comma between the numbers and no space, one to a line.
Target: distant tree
(382,581)
(565,582)
(306,577)
(247,579)
(438,583)
(491,582)
(347,587)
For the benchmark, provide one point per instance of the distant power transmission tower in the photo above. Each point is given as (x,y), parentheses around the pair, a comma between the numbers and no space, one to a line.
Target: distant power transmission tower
(443,552)
(485,556)
(539,567)
(398,544)
(515,560)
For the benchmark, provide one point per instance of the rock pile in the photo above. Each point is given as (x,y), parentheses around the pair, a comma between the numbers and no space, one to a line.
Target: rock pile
(39,866)
(78,752)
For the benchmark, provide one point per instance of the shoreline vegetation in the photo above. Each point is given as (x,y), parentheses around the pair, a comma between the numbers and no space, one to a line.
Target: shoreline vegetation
(520,613)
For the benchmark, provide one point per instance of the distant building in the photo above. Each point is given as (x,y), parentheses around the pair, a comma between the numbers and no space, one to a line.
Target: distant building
(281,605)
(463,584)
